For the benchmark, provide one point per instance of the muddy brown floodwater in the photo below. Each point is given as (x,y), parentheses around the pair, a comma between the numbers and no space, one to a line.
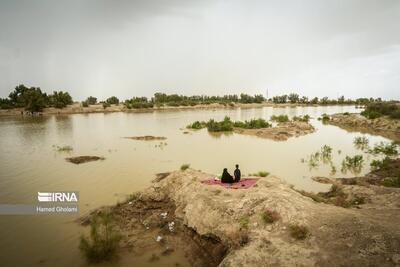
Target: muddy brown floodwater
(29,163)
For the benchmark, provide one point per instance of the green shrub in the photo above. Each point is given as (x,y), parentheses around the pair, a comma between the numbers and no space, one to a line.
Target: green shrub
(260,174)
(197,125)
(220,126)
(252,124)
(379,109)
(85,104)
(391,181)
(244,221)
(113,100)
(185,167)
(324,117)
(270,216)
(380,164)
(299,232)
(60,99)
(91,100)
(387,149)
(280,118)
(305,118)
(103,241)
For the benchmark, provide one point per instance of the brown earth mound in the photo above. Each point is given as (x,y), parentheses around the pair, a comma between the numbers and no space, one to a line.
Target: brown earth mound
(282,132)
(83,159)
(228,227)
(382,126)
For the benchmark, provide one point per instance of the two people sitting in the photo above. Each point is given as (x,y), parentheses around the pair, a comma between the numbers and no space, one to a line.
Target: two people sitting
(227,178)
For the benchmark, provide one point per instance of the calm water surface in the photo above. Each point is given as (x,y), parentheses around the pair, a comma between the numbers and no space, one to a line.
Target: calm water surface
(29,163)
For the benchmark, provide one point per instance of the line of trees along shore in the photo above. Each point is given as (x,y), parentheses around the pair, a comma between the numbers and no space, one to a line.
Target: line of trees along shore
(34,100)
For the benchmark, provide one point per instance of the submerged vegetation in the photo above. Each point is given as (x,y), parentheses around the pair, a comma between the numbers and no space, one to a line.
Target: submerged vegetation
(103,241)
(280,118)
(361,142)
(354,164)
(64,148)
(227,124)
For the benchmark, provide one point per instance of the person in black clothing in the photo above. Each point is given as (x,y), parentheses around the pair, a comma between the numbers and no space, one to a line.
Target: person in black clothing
(237,174)
(226,177)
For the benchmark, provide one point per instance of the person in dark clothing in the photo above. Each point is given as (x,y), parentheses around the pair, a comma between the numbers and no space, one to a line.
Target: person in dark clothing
(226,177)
(237,174)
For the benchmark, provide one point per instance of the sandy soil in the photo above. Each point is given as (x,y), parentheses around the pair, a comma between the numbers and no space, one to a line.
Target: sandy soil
(282,132)
(382,126)
(220,226)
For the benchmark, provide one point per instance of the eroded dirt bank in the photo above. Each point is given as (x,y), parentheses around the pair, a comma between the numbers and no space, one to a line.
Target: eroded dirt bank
(282,132)
(383,126)
(224,227)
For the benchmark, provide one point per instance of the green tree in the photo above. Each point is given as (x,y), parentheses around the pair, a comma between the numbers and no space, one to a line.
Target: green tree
(293,98)
(91,100)
(112,100)
(60,99)
(35,100)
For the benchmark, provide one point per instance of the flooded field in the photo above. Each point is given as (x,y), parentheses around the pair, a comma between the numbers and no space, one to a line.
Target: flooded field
(30,162)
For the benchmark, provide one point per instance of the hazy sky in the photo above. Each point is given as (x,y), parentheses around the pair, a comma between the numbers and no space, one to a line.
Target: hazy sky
(132,48)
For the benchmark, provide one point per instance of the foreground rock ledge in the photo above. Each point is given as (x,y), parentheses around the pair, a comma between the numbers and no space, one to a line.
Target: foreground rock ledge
(353,122)
(367,236)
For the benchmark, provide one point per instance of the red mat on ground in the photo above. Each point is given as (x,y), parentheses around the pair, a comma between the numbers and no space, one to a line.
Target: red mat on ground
(244,183)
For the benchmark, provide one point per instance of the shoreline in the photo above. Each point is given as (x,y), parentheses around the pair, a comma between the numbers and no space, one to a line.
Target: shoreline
(98,108)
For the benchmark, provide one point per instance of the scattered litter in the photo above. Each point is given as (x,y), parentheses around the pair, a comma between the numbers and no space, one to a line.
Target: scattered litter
(171,226)
(159,238)
(164,215)
(130,202)
(147,227)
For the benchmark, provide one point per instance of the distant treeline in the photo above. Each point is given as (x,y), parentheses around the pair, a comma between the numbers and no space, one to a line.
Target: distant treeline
(34,100)
(296,99)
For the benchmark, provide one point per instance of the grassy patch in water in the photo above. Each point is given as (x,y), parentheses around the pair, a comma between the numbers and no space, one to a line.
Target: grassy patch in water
(227,124)
(353,164)
(361,142)
(280,118)
(64,148)
(103,241)
(385,148)
(305,118)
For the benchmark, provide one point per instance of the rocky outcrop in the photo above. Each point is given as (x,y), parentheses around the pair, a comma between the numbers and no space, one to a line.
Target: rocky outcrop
(225,227)
(282,132)
(383,126)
